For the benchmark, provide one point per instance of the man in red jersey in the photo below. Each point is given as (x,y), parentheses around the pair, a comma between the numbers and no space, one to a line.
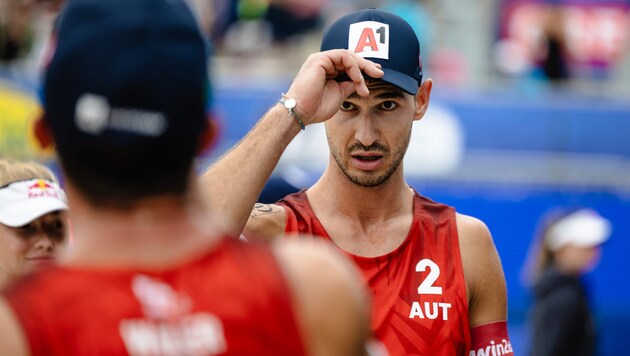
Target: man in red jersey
(437,281)
(149,273)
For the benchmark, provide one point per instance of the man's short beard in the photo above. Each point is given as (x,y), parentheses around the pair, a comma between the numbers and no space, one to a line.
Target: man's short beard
(369,179)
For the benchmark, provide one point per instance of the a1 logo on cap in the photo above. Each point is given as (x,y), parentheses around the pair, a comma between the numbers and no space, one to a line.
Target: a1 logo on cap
(369,39)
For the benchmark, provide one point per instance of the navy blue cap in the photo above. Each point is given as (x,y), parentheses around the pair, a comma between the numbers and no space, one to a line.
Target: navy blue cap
(383,38)
(128,82)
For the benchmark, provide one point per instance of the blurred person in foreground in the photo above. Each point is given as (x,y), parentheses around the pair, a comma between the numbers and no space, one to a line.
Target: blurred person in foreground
(569,246)
(151,271)
(33,222)
(435,274)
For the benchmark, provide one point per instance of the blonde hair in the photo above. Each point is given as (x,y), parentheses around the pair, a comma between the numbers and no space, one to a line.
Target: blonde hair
(15,171)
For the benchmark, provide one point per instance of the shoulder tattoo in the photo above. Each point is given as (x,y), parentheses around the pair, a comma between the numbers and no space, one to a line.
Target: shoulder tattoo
(264,209)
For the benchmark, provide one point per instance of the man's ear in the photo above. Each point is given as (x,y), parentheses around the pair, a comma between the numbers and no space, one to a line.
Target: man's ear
(42,133)
(422,99)
(209,137)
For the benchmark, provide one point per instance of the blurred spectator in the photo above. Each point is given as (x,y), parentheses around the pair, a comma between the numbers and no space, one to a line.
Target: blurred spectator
(32,217)
(290,18)
(553,57)
(16,33)
(568,247)
(251,26)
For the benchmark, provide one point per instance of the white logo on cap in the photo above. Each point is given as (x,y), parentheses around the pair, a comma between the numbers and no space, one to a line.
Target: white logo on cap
(91,113)
(369,39)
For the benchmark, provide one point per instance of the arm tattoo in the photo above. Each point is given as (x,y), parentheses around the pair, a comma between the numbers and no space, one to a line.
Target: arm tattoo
(264,209)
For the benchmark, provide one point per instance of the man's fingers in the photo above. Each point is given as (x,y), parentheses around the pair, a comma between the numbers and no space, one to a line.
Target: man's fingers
(345,61)
(372,69)
(351,65)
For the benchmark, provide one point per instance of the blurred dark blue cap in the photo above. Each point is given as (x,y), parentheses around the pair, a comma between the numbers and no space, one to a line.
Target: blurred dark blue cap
(383,38)
(127,77)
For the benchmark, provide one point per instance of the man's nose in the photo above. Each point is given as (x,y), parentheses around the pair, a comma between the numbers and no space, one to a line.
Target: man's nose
(366,131)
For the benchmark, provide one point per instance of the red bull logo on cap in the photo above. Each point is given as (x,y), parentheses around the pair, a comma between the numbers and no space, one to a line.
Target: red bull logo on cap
(41,188)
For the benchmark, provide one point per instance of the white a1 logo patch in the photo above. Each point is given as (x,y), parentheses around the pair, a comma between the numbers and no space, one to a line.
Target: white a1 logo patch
(369,39)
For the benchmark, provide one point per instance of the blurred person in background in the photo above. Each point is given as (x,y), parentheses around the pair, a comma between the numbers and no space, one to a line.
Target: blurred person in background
(16,32)
(24,26)
(553,55)
(568,247)
(435,274)
(33,222)
(152,271)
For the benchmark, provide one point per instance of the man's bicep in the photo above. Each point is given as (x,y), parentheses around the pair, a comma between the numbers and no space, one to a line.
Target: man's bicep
(487,300)
(266,222)
(483,272)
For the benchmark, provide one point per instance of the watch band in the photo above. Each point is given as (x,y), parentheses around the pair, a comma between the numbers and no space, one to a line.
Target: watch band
(290,104)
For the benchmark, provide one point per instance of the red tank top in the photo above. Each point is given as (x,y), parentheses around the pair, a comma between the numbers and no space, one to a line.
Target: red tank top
(419,292)
(232,301)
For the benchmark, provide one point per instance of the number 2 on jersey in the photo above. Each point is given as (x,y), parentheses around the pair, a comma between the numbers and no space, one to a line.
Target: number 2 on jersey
(427,287)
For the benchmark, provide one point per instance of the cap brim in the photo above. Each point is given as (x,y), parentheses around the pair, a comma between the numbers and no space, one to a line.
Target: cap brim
(402,81)
(22,213)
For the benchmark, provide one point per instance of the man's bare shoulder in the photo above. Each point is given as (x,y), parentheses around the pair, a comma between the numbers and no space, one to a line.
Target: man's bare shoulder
(332,302)
(12,339)
(473,233)
(266,222)
(485,281)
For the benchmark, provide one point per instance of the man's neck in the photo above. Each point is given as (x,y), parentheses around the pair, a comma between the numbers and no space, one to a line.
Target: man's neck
(365,221)
(152,234)
(336,192)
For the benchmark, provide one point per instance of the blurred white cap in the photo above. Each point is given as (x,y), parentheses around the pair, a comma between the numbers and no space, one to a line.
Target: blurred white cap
(24,201)
(583,228)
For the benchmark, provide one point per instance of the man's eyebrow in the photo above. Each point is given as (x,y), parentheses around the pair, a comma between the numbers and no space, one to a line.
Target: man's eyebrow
(391,94)
(388,94)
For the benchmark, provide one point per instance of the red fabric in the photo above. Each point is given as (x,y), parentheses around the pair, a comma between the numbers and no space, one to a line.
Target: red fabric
(231,301)
(491,339)
(407,322)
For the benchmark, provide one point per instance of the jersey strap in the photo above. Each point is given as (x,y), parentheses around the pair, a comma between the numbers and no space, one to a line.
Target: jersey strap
(491,339)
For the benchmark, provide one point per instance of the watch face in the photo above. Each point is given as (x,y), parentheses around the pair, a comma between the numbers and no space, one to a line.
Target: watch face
(289,103)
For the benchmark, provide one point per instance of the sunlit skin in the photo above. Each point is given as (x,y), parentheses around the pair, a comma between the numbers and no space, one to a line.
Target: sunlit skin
(27,247)
(368,137)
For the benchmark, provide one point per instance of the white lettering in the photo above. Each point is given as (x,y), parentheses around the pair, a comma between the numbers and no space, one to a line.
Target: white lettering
(445,307)
(416,311)
(431,310)
(196,334)
(504,348)
(427,285)
(431,314)
(141,122)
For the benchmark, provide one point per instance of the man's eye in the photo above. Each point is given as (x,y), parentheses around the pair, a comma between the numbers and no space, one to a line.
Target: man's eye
(388,105)
(346,105)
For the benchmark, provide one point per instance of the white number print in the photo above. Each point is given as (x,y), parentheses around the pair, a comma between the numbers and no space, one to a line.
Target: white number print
(427,287)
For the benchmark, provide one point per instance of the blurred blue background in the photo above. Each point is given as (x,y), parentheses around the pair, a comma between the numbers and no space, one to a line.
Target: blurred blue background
(505,140)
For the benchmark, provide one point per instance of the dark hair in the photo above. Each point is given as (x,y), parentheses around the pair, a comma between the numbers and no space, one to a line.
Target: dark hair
(124,174)
(127,115)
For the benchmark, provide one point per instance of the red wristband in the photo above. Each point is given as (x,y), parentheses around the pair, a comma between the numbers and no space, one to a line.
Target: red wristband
(491,339)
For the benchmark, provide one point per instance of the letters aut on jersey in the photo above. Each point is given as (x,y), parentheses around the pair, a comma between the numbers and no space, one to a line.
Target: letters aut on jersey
(369,39)
(430,310)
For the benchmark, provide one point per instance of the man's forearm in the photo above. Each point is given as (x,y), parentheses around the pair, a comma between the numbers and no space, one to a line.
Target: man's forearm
(232,184)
